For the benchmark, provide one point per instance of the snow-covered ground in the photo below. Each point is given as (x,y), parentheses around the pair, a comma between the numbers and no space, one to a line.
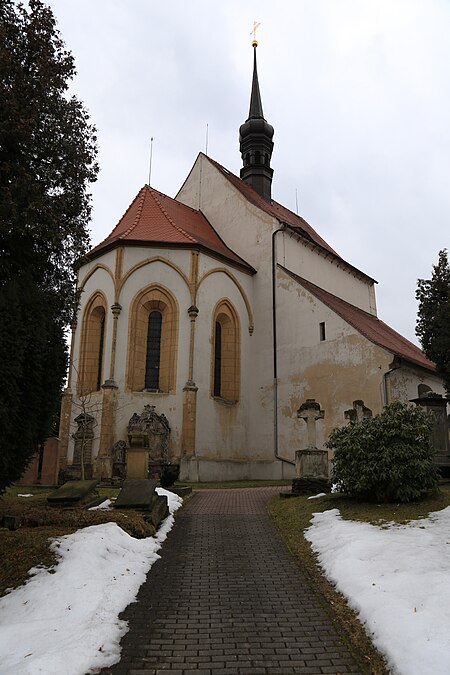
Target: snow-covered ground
(397,577)
(65,620)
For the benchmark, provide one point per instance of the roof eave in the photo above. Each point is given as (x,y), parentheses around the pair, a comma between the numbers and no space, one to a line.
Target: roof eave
(243,266)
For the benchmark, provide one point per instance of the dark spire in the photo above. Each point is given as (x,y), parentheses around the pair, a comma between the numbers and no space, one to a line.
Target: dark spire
(255,139)
(255,98)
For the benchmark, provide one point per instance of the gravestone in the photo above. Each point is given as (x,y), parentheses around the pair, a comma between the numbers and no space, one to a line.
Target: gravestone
(141,495)
(159,510)
(119,458)
(358,413)
(148,440)
(311,464)
(74,493)
(83,438)
(437,404)
(136,494)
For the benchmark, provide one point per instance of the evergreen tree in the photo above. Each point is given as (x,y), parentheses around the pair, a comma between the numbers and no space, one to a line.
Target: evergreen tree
(48,158)
(433,322)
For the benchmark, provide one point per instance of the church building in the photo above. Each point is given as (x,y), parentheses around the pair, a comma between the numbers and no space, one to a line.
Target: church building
(225,311)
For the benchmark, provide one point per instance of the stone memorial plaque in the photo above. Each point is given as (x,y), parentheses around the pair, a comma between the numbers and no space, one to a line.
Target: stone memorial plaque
(136,494)
(74,492)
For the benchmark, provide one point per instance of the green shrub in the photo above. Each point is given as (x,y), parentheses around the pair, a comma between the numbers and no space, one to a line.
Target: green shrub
(388,458)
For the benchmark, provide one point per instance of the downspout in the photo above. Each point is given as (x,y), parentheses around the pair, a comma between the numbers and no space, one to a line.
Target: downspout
(275,362)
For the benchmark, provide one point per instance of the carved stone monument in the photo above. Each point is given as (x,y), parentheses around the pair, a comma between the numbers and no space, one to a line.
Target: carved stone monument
(83,437)
(437,404)
(119,459)
(311,464)
(148,440)
(358,413)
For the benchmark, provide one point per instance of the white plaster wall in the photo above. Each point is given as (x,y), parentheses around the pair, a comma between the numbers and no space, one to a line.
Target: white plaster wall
(169,404)
(221,429)
(335,372)
(325,272)
(403,383)
(244,228)
(107,259)
(134,255)
(248,231)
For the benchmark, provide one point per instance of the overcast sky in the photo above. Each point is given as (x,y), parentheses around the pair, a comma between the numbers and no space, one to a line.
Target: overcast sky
(358,92)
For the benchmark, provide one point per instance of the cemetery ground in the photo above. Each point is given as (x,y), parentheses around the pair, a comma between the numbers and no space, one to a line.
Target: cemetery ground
(27,547)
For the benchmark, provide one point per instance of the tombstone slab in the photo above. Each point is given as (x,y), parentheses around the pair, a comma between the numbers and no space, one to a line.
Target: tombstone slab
(136,494)
(74,492)
(159,511)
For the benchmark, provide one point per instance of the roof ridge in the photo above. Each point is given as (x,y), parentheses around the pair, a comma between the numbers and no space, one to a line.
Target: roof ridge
(177,227)
(141,197)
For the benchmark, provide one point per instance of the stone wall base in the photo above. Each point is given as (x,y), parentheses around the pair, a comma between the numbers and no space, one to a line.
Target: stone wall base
(195,470)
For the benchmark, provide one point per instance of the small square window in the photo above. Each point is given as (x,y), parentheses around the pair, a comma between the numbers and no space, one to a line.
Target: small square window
(322,331)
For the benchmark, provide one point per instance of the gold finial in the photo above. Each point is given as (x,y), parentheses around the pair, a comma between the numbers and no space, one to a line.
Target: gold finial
(255,26)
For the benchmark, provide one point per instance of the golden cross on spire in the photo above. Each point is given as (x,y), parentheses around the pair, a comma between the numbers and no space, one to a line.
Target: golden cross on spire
(254,29)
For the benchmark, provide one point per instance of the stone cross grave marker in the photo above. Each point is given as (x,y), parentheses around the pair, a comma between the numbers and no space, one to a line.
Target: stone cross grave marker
(310,412)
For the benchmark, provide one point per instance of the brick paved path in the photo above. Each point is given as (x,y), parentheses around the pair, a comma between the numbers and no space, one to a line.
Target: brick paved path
(226,598)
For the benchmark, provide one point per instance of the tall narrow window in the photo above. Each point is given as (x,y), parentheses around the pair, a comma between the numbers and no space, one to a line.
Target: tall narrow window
(322,331)
(153,341)
(225,359)
(100,352)
(153,350)
(92,347)
(218,360)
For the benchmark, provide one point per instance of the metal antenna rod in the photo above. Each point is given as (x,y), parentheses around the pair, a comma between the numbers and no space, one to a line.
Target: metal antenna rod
(206,143)
(296,201)
(150,166)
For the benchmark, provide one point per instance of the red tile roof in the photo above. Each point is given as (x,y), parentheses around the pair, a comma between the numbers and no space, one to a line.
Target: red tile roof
(153,217)
(368,325)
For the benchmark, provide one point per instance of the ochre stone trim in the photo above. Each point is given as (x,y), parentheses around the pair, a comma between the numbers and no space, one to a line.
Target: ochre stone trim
(225,314)
(100,266)
(241,290)
(152,297)
(119,263)
(149,261)
(95,310)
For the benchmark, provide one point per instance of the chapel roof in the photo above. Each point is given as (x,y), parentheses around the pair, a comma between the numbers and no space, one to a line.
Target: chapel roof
(154,218)
(368,325)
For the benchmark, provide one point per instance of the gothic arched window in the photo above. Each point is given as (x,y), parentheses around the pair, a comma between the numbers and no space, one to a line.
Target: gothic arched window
(225,376)
(92,345)
(152,347)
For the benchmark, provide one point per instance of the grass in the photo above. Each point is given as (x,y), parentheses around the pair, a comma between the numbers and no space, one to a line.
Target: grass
(293,516)
(28,547)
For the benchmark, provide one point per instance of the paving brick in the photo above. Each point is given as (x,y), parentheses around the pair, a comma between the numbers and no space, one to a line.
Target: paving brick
(226,598)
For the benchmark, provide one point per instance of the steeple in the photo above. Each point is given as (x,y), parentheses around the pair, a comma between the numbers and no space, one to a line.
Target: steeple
(255,141)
